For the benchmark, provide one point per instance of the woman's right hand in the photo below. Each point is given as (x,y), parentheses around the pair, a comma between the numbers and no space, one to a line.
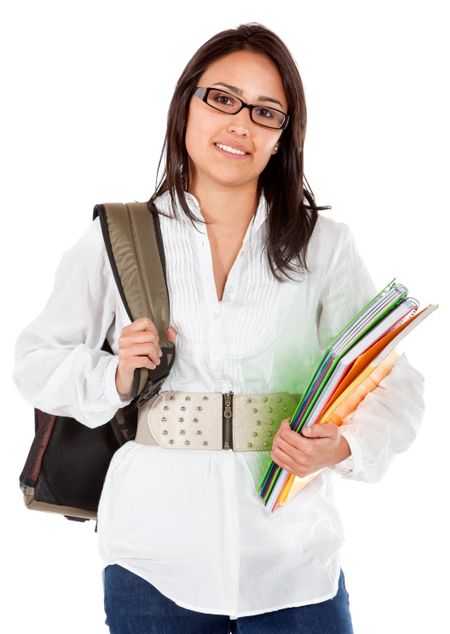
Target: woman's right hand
(138,348)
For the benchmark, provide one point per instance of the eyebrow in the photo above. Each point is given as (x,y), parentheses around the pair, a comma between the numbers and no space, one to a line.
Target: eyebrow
(241,92)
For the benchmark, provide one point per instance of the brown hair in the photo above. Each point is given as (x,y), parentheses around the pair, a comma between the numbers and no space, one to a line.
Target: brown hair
(292,211)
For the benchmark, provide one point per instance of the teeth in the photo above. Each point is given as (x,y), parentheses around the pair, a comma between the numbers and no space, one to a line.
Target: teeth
(227,148)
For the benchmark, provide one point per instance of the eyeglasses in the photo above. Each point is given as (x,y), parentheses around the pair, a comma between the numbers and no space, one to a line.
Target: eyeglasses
(228,103)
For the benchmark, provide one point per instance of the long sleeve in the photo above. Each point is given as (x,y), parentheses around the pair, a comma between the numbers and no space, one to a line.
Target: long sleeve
(387,421)
(59,366)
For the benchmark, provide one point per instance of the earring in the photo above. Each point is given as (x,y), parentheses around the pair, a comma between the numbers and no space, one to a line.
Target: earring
(275,149)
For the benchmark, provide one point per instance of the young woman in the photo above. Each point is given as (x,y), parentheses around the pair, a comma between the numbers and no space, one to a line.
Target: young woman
(259,282)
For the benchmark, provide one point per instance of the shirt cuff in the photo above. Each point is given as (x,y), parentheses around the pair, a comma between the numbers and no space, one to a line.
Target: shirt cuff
(349,466)
(113,396)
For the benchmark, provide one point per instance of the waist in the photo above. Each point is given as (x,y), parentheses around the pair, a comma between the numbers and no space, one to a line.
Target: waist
(213,420)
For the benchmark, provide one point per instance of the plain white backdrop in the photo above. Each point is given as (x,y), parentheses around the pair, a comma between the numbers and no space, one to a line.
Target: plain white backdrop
(86,87)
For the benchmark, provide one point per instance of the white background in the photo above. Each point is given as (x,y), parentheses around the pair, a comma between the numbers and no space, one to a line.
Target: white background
(86,87)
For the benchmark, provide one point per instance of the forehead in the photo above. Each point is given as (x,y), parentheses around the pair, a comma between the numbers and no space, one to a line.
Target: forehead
(253,73)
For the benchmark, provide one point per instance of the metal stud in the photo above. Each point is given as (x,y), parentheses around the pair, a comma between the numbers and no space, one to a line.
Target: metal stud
(163,419)
(171,441)
(182,432)
(187,442)
(183,408)
(266,444)
(255,410)
(249,444)
(181,419)
(205,442)
(166,407)
(279,399)
(270,409)
(195,420)
(269,433)
(258,422)
(199,432)
(285,408)
(265,399)
(199,408)
(172,397)
(187,398)
(255,433)
(165,432)
(249,400)
(205,398)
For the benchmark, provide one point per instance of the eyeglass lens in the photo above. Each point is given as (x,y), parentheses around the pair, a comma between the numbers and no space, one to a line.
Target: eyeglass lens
(226,102)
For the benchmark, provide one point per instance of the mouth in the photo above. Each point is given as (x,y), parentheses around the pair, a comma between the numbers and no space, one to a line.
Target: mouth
(230,151)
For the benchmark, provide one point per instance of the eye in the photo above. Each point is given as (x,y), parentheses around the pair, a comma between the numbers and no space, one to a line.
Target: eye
(224,99)
(264,112)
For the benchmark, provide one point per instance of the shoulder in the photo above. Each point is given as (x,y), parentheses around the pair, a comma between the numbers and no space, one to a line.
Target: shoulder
(87,255)
(330,231)
(91,239)
(330,240)
(90,242)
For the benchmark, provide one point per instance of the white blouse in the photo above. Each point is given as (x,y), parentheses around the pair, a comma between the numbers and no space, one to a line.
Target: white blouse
(191,521)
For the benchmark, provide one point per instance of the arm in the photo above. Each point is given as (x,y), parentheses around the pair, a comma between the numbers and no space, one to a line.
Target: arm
(59,367)
(387,421)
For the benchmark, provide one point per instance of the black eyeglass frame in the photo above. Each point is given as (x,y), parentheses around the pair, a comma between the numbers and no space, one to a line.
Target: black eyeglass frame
(202,93)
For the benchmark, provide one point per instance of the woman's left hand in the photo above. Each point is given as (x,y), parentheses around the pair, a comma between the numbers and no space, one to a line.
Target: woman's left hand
(322,445)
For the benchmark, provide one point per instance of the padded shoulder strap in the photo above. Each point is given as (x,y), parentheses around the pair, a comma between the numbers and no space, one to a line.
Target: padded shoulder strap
(135,249)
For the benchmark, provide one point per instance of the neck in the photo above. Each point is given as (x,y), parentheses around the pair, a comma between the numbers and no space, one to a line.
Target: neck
(227,209)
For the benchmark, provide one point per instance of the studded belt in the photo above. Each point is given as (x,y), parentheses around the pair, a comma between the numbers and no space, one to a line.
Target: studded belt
(212,420)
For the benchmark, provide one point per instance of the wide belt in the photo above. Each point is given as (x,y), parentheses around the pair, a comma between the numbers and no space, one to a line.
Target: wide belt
(213,420)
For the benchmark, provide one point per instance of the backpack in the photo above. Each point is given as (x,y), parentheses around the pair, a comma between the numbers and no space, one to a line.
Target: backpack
(67,463)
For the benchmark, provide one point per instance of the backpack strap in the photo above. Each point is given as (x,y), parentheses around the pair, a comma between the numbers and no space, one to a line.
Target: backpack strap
(133,241)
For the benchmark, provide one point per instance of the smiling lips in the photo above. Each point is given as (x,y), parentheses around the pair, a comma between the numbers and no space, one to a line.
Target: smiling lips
(230,151)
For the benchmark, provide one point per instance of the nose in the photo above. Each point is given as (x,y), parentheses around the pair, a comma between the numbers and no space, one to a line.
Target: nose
(239,123)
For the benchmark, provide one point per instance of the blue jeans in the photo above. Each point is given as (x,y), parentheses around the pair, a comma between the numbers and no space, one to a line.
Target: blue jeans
(134,606)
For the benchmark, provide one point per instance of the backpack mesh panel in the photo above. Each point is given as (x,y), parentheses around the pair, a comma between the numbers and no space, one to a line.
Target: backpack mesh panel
(75,463)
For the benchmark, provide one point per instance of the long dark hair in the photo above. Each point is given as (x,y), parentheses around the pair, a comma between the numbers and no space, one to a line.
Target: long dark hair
(292,211)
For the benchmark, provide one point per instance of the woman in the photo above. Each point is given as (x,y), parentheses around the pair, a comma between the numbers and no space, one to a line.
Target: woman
(186,542)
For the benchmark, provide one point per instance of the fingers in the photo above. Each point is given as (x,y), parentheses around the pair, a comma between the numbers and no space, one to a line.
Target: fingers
(292,459)
(287,435)
(282,459)
(140,340)
(322,430)
(145,324)
(142,324)
(171,334)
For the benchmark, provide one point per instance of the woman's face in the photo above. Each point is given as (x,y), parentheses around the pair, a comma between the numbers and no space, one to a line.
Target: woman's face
(253,75)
